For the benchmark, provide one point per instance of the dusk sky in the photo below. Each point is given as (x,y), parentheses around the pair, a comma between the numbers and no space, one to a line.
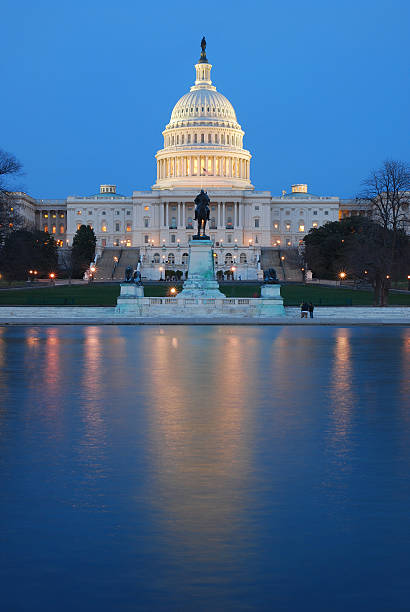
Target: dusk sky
(320,88)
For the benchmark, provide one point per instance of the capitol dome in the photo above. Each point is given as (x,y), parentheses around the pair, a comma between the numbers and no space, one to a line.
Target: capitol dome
(204,104)
(203,142)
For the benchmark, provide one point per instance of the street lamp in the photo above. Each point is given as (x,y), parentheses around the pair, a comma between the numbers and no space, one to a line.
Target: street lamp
(52,277)
(233,270)
(160,269)
(173,291)
(408,282)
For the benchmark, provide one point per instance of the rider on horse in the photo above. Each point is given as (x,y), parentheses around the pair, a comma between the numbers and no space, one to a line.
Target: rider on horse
(202,211)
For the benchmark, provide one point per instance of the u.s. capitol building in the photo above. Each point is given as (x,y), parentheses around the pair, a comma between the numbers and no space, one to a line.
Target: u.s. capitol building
(203,147)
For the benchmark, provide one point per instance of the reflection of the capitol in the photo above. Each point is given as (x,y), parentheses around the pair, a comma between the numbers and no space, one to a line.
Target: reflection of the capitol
(200,425)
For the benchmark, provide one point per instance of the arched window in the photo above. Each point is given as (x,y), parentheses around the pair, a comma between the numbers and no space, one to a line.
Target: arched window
(156,258)
(171,258)
(209,137)
(184,259)
(202,137)
(242,258)
(228,259)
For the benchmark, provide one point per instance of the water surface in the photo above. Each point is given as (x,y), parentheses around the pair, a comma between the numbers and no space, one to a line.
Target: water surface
(204,468)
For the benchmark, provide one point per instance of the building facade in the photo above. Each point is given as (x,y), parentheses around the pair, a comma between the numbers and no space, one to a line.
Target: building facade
(203,148)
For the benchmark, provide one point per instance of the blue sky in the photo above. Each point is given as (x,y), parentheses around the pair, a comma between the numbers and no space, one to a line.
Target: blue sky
(320,88)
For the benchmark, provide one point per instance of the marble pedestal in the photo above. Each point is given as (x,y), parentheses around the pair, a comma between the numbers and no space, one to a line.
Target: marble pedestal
(130,299)
(201,281)
(271,301)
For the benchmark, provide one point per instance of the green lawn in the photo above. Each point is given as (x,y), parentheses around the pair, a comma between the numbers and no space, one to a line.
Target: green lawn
(106,295)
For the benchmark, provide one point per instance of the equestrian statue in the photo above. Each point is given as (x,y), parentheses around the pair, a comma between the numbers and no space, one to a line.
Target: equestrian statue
(202,211)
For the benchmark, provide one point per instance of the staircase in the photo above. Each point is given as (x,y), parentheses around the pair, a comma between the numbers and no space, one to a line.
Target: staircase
(129,257)
(270,258)
(105,264)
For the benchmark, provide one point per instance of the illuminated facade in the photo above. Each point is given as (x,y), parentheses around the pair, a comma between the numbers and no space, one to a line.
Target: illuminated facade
(202,148)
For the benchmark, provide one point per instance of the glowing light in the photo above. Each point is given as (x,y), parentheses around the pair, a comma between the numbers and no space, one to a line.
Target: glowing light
(173,290)
(342,275)
(52,275)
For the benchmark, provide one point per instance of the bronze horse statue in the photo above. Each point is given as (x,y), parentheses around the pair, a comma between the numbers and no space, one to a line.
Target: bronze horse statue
(202,211)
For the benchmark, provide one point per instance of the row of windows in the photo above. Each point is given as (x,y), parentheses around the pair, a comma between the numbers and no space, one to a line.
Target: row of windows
(54,229)
(170,258)
(301,227)
(303,211)
(103,212)
(232,139)
(53,215)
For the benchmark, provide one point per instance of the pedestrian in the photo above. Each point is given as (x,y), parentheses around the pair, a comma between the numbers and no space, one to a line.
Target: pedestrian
(311,309)
(304,308)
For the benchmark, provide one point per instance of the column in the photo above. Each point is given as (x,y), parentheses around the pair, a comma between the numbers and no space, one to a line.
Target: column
(179,214)
(183,215)
(166,215)
(223,215)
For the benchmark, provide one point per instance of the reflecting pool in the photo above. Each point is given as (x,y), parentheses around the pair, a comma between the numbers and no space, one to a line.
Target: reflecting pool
(204,468)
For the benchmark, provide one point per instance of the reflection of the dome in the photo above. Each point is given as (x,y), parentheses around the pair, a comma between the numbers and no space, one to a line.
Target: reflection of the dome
(200,424)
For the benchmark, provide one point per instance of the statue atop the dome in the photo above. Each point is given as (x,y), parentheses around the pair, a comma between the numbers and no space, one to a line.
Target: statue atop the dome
(203,58)
(202,202)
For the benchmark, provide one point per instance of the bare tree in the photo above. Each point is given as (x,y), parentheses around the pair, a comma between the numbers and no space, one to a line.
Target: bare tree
(10,167)
(387,191)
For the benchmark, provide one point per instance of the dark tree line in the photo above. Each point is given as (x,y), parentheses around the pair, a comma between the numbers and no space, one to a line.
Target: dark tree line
(375,249)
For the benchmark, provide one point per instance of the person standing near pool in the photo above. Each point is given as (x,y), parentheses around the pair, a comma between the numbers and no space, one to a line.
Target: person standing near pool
(304,310)
(311,309)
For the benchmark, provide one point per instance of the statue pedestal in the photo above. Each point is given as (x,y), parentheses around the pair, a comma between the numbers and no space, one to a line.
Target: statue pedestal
(201,274)
(271,304)
(130,299)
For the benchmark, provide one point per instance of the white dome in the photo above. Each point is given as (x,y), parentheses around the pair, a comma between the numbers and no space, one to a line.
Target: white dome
(204,104)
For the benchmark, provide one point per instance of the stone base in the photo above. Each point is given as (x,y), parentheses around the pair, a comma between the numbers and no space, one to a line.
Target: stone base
(201,281)
(271,302)
(130,299)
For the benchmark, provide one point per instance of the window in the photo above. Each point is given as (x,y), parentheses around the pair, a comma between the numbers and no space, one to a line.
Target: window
(173,222)
(103,212)
(185,259)
(117,227)
(202,137)
(288,226)
(128,243)
(117,212)
(103,227)
(256,240)
(182,139)
(171,258)
(256,207)
(209,138)
(128,213)
(228,259)
(315,212)
(173,238)
(289,243)
(301,228)
(45,215)
(146,222)
(156,258)
(146,239)
(326,212)
(189,139)
(288,212)
(46,228)
(53,215)
(78,213)
(129,227)
(61,229)
(242,258)
(314,224)
(256,222)
(229,238)
(276,226)
(62,215)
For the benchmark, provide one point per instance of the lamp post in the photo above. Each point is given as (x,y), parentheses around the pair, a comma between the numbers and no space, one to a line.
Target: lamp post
(160,269)
(52,278)
(408,282)
(233,270)
(92,271)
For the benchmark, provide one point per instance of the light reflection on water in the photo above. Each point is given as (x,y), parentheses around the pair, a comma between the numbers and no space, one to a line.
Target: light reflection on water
(205,468)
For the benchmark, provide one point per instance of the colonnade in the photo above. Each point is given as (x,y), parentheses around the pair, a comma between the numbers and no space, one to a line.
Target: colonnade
(224,211)
(203,165)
